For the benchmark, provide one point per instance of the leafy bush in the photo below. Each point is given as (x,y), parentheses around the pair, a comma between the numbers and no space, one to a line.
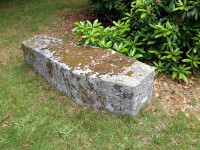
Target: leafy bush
(167,33)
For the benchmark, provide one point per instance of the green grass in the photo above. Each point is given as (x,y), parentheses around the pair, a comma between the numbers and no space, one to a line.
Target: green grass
(34,115)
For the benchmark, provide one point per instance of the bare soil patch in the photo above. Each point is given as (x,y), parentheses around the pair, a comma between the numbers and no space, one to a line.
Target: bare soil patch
(177,96)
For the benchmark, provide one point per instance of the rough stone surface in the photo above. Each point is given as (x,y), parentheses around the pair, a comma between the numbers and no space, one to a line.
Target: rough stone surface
(92,76)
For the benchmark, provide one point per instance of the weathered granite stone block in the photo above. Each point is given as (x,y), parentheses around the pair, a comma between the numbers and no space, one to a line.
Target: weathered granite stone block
(92,76)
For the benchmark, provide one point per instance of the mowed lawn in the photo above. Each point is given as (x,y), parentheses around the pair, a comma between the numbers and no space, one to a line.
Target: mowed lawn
(34,115)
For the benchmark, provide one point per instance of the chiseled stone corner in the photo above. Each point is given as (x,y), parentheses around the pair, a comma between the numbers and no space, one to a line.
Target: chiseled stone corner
(96,77)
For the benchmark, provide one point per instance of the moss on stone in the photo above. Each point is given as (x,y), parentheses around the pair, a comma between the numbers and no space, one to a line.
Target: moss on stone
(129,73)
(99,61)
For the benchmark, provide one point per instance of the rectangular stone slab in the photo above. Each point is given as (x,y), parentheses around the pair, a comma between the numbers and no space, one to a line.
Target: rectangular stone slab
(96,77)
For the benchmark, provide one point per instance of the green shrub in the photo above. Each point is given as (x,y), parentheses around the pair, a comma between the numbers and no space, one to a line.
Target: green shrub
(167,33)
